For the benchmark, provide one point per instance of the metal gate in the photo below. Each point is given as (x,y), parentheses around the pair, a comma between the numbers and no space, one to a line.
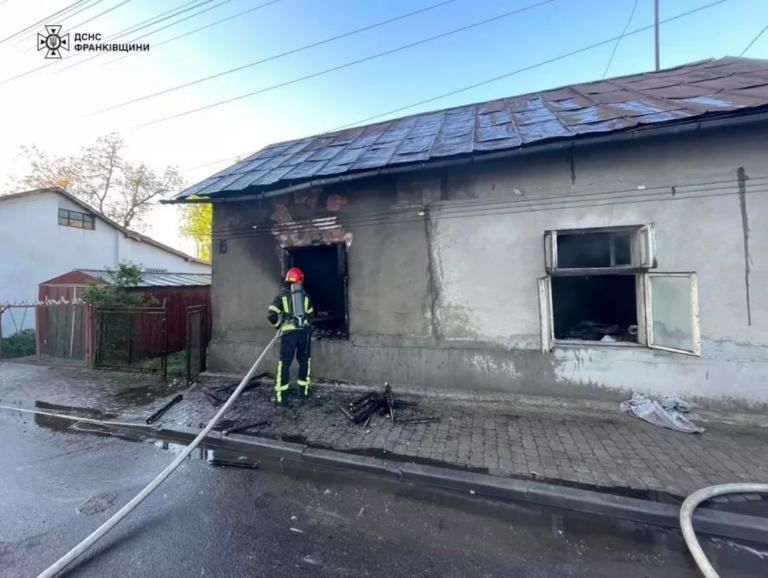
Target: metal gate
(46,333)
(197,323)
(132,339)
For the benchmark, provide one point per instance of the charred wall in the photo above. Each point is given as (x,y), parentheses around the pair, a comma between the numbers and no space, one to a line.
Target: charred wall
(443,269)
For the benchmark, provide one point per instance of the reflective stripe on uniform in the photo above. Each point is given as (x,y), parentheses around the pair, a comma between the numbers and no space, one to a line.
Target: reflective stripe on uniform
(286,307)
(279,388)
(273,308)
(307,308)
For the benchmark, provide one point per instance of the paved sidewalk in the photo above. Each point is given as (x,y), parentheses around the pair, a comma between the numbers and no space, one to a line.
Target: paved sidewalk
(549,440)
(105,391)
(610,451)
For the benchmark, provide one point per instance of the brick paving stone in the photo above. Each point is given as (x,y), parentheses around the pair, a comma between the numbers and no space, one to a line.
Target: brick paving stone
(614,451)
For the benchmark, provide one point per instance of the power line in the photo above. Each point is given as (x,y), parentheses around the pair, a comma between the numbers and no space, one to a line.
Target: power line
(99,15)
(489,81)
(60,20)
(531,67)
(475,207)
(155,46)
(46,19)
(271,230)
(98,54)
(133,28)
(755,39)
(616,46)
(327,40)
(346,65)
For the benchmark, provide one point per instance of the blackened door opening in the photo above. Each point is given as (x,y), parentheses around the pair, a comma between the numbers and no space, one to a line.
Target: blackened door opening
(325,279)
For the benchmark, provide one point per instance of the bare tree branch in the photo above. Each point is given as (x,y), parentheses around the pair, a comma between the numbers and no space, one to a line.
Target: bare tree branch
(102,177)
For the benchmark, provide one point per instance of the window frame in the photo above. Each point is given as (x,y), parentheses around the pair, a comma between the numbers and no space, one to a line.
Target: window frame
(642,250)
(66,215)
(644,259)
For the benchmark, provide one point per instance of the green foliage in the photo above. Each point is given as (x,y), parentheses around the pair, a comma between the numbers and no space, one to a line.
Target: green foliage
(116,328)
(196,223)
(114,292)
(19,344)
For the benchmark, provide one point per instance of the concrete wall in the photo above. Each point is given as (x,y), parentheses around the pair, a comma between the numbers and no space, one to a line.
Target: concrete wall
(449,299)
(35,248)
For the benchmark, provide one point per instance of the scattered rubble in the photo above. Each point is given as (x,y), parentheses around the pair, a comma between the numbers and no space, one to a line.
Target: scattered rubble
(363,408)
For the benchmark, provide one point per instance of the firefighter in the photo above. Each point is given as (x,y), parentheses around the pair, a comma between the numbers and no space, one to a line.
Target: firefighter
(295,340)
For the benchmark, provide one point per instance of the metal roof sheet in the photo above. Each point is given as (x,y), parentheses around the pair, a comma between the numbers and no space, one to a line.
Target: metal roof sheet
(160,279)
(683,94)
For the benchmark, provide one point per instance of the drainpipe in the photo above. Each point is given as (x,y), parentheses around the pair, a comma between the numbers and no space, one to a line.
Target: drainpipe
(622,137)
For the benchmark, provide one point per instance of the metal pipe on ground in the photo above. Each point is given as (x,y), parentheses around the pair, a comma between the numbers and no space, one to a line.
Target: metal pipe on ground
(165,408)
(70,556)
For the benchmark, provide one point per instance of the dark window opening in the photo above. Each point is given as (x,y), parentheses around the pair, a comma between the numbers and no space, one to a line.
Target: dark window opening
(75,219)
(593,250)
(325,279)
(596,308)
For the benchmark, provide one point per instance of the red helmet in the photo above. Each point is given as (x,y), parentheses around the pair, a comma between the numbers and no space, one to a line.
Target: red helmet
(294,275)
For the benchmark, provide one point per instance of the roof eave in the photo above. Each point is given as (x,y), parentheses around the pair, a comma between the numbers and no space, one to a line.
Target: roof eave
(727,120)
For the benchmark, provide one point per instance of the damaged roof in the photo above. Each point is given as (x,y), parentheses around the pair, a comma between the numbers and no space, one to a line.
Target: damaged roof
(687,93)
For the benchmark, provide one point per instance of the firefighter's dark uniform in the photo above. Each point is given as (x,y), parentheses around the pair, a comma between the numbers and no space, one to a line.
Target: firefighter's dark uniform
(295,341)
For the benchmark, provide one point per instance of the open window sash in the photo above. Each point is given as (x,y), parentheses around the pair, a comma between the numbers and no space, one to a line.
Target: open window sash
(672,312)
(647,245)
(550,251)
(545,314)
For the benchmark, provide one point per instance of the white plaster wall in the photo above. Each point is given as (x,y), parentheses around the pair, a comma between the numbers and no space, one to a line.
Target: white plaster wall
(35,248)
(487,266)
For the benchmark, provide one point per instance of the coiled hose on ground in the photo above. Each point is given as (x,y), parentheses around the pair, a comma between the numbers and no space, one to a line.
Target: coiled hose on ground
(70,556)
(690,504)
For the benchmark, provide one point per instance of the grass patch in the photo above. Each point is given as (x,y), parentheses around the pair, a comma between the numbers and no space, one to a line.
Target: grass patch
(177,363)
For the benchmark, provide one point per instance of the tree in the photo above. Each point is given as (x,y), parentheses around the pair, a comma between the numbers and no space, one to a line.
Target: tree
(196,223)
(102,177)
(114,292)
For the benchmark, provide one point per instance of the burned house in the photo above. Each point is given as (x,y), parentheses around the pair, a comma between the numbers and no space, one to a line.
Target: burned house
(586,241)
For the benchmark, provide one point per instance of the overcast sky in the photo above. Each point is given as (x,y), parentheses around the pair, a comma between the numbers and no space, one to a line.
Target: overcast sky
(52,107)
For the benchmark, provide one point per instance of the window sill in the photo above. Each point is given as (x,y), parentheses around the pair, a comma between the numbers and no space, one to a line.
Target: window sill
(581,343)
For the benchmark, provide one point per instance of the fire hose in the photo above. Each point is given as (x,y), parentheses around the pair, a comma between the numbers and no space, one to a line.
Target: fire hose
(70,556)
(686,513)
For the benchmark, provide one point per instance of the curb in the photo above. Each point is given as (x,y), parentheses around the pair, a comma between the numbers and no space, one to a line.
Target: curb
(706,521)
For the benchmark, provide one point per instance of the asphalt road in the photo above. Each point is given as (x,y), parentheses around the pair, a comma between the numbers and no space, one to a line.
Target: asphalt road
(59,481)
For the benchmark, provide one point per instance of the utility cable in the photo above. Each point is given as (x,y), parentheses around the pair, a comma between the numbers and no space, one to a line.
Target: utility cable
(470,87)
(46,19)
(60,20)
(531,67)
(497,207)
(99,15)
(755,39)
(119,34)
(275,57)
(347,64)
(268,230)
(156,46)
(132,40)
(623,32)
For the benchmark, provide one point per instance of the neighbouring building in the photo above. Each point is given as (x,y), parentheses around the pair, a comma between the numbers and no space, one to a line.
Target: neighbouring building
(586,241)
(63,332)
(47,231)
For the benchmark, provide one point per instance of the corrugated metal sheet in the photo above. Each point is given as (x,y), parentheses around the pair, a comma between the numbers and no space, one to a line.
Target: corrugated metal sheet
(686,93)
(162,279)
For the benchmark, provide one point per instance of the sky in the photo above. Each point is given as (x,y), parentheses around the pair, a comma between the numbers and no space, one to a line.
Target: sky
(54,108)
